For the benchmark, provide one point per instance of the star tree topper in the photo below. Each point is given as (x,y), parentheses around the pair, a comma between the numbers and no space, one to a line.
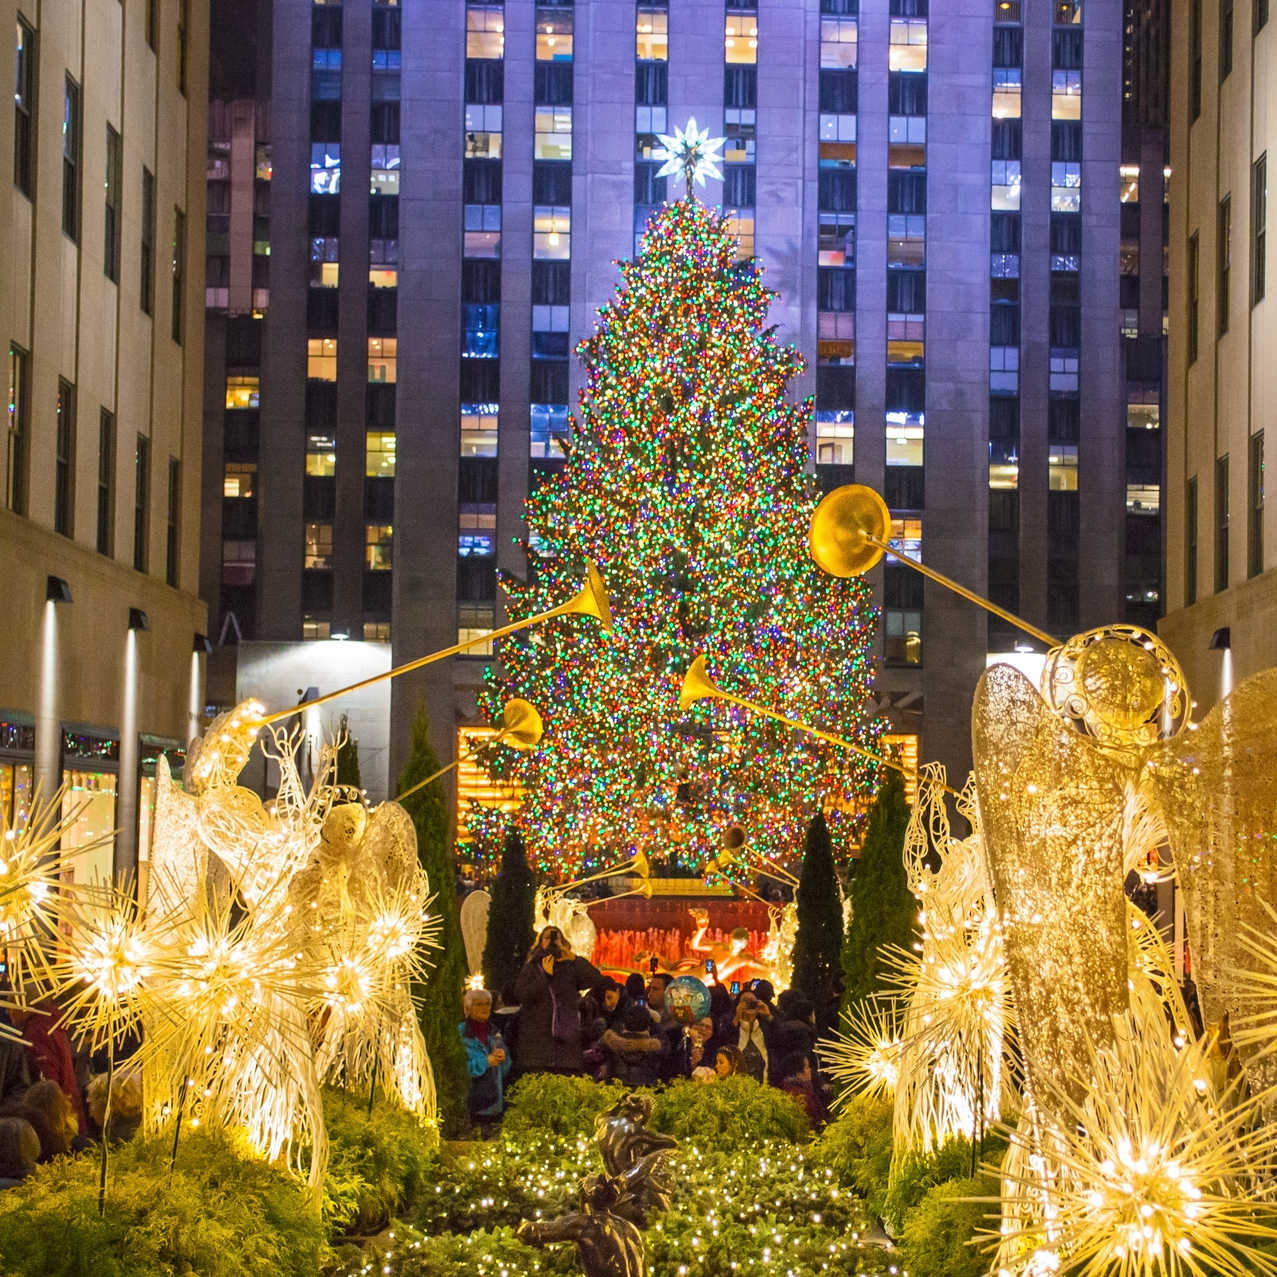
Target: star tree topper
(693,151)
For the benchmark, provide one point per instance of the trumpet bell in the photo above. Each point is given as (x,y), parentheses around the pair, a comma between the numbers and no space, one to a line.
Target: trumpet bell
(733,838)
(641,865)
(841,528)
(522,727)
(591,599)
(697,684)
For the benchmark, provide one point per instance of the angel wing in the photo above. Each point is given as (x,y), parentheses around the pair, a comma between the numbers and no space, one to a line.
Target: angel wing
(1051,806)
(1217,785)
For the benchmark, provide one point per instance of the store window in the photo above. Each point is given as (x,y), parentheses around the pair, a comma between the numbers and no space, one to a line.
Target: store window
(88,815)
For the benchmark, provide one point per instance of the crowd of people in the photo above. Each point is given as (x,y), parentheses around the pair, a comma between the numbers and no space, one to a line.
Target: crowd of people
(573,1019)
(51,1102)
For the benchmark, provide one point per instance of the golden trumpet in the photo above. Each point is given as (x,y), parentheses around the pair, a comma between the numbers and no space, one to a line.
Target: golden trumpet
(850,532)
(590,600)
(734,842)
(643,889)
(698,686)
(522,730)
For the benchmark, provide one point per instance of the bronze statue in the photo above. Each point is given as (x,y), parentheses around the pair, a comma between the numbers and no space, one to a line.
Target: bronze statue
(607,1245)
(616,1205)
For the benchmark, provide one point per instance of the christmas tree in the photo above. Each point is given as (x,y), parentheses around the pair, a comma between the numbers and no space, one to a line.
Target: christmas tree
(439,995)
(818,944)
(510,932)
(883,909)
(685,483)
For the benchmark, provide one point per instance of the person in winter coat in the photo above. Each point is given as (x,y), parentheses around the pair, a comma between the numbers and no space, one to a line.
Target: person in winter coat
(486,1056)
(549,989)
(49,1051)
(634,1054)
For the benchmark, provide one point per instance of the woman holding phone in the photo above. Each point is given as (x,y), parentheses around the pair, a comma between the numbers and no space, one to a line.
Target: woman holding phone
(549,989)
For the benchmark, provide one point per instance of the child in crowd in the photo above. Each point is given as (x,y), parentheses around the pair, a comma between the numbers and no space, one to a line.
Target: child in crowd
(486,1056)
(797,1080)
(126,1104)
(19,1150)
(726,1062)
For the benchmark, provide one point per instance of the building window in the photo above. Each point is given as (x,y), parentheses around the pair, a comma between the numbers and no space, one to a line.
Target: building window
(23,108)
(318,551)
(141,500)
(1225,39)
(552,136)
(474,620)
(482,230)
(183,35)
(238,480)
(71,159)
(1066,95)
(836,438)
(479,429)
(1007,83)
(1260,14)
(742,226)
(1221,524)
(485,30)
(179,273)
(907,50)
(904,443)
(384,168)
(379,454)
(1258,227)
(554,34)
(383,359)
(239,562)
(903,633)
(476,531)
(1194,60)
(64,461)
(551,232)
(548,428)
(106,482)
(15,474)
(321,456)
(321,358)
(146,288)
(1190,542)
(1062,467)
(378,546)
(1194,295)
(243,391)
(651,34)
(1224,251)
(172,521)
(741,39)
(315,628)
(839,39)
(152,22)
(1006,185)
(111,224)
(376,631)
(1255,507)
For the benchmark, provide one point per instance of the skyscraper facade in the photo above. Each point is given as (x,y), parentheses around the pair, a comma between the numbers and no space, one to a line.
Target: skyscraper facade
(934,196)
(101,307)
(1221,552)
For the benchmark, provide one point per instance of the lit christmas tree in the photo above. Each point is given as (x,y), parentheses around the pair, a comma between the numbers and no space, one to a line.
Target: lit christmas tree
(685,483)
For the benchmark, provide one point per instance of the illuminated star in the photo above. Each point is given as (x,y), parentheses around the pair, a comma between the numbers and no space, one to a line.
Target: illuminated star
(692,151)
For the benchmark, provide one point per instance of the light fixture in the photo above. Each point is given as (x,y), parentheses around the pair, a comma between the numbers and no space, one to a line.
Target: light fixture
(340,635)
(138,620)
(57,590)
(1024,647)
(1221,640)
(203,644)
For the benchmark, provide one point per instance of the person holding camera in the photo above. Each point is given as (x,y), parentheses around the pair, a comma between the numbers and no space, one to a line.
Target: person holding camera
(548,989)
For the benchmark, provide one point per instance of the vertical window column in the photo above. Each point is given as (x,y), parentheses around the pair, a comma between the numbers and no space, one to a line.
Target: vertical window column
(740,121)
(836,246)
(106,483)
(651,108)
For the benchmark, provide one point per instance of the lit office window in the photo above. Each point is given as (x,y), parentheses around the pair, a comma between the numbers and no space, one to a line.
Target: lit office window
(552,133)
(1066,187)
(551,232)
(1066,95)
(651,34)
(384,168)
(482,230)
(239,479)
(1005,178)
(243,392)
(321,358)
(1006,93)
(903,634)
(479,430)
(740,43)
(318,550)
(379,540)
(474,620)
(548,427)
(316,628)
(321,456)
(742,226)
(904,444)
(554,34)
(325,168)
(907,50)
(835,337)
(835,438)
(1130,183)
(379,454)
(485,30)
(376,631)
(906,535)
(1062,467)
(476,532)
(483,131)
(740,124)
(837,239)
(838,42)
(383,360)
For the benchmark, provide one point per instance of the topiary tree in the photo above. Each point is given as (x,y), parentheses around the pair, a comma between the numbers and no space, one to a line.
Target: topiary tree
(347,757)
(819,942)
(510,929)
(883,909)
(439,994)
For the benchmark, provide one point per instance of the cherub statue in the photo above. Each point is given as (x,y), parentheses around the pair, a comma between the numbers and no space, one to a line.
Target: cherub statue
(607,1244)
(636,1156)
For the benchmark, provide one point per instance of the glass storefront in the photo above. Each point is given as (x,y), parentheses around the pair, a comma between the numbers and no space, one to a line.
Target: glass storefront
(15,792)
(88,810)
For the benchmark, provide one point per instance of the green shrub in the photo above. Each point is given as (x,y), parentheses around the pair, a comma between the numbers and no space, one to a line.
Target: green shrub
(938,1231)
(856,1147)
(219,1214)
(377,1165)
(557,1105)
(732,1113)
(916,1174)
(413,1254)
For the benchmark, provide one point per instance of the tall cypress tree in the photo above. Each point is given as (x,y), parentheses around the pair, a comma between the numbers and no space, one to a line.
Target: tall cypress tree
(348,758)
(509,918)
(883,908)
(818,944)
(439,994)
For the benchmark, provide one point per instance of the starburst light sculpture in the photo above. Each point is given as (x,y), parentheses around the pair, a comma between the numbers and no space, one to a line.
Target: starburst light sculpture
(690,153)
